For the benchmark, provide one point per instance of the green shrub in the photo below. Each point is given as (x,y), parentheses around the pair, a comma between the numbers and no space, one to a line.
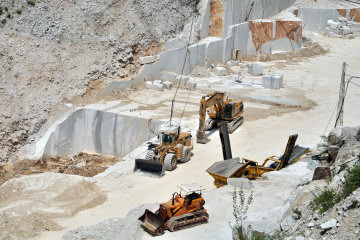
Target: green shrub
(18,11)
(6,9)
(9,15)
(3,21)
(325,200)
(1,10)
(30,2)
(297,211)
(352,181)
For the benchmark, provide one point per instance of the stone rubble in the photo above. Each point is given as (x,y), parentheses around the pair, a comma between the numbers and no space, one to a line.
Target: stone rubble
(342,28)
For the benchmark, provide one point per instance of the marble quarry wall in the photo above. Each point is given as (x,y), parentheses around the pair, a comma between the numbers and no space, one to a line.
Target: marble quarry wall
(252,37)
(242,11)
(315,19)
(100,132)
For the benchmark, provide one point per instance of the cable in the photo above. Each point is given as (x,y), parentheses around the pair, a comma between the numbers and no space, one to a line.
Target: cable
(355,84)
(182,72)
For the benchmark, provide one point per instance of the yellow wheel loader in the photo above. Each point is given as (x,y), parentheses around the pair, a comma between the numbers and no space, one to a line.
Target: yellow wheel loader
(219,109)
(182,210)
(174,146)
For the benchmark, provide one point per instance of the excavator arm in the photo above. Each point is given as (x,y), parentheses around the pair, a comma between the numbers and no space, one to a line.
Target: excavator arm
(217,99)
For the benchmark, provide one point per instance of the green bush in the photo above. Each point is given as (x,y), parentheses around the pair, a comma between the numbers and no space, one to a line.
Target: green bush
(18,11)
(352,181)
(9,15)
(1,10)
(325,200)
(6,9)
(3,21)
(297,211)
(30,2)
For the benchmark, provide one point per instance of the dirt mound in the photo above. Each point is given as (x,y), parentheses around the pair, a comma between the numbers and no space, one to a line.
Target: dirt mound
(82,164)
(309,49)
(29,204)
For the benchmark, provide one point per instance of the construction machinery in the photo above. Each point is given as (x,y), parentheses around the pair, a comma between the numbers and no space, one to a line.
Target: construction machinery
(219,109)
(182,210)
(236,168)
(174,146)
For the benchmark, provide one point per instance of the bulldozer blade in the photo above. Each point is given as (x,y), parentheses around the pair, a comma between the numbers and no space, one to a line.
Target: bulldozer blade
(152,223)
(150,166)
(233,125)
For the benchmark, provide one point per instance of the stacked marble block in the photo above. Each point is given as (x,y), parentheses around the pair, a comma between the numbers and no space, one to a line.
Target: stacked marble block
(342,28)
(169,80)
(272,81)
(256,69)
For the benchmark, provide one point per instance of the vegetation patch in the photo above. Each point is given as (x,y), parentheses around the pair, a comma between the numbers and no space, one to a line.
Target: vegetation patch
(352,181)
(326,199)
(32,3)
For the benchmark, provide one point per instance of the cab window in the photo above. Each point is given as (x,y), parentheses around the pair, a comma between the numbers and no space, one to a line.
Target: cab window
(166,138)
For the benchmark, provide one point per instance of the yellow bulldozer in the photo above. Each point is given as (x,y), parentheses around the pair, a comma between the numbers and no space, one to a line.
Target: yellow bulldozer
(219,109)
(182,210)
(174,146)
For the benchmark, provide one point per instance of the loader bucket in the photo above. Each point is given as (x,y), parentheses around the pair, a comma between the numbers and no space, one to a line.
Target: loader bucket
(150,166)
(152,223)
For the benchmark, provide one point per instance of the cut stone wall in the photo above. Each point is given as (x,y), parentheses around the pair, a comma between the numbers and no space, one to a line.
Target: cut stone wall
(100,132)
(260,36)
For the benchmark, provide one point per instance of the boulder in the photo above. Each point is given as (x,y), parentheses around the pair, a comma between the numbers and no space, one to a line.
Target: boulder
(272,81)
(220,71)
(148,84)
(167,85)
(237,78)
(157,81)
(157,87)
(240,182)
(334,137)
(191,84)
(147,60)
(321,173)
(333,151)
(329,224)
(256,69)
(183,79)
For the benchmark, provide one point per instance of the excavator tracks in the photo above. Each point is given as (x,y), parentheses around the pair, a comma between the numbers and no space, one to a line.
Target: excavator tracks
(187,220)
(233,125)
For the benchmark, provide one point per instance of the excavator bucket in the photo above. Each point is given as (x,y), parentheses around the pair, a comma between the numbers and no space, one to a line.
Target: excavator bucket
(152,223)
(150,166)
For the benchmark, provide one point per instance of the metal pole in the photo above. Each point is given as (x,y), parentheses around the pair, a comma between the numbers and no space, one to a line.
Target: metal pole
(340,106)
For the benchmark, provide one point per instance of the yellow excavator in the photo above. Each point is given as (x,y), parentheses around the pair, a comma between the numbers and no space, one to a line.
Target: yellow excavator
(219,109)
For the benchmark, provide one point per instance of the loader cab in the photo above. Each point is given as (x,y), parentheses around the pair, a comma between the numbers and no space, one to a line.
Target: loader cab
(168,137)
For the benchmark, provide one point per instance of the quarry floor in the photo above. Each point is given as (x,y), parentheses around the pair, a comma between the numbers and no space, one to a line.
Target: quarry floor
(304,107)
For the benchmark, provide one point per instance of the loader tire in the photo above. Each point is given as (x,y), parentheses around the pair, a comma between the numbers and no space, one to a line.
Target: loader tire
(186,155)
(170,162)
(149,155)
